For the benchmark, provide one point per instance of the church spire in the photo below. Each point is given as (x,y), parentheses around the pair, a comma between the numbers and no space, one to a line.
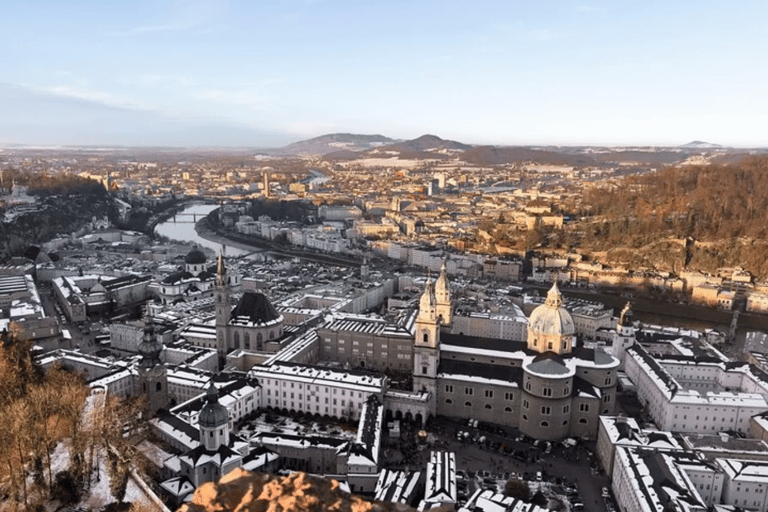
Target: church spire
(221,271)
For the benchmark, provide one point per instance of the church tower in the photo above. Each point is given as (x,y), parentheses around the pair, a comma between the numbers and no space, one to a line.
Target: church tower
(223,307)
(443,298)
(624,336)
(426,347)
(153,375)
(213,421)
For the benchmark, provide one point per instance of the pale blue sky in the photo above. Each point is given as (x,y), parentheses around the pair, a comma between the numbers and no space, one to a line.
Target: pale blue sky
(259,73)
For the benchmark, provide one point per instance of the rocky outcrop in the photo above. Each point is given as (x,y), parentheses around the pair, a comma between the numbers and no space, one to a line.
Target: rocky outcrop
(242,490)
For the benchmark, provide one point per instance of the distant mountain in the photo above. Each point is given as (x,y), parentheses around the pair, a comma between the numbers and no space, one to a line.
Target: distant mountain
(697,144)
(334,142)
(429,147)
(430,143)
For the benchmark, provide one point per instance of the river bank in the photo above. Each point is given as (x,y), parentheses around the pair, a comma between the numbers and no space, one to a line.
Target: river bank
(203,229)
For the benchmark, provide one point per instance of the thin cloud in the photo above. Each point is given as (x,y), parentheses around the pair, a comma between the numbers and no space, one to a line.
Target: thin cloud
(183,16)
(591,9)
(104,98)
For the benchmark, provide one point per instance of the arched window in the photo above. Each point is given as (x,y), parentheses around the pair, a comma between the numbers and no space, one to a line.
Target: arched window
(426,338)
(237,339)
(259,337)
(448,401)
(544,423)
(488,406)
(467,404)
(271,335)
(507,409)
(159,387)
(247,340)
(582,420)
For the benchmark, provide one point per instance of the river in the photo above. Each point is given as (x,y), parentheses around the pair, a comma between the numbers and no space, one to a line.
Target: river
(184,231)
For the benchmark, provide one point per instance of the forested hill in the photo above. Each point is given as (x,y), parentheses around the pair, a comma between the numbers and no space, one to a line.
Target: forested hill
(63,206)
(723,208)
(704,202)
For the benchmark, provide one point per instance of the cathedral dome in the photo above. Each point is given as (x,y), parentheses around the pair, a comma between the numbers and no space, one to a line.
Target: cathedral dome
(551,318)
(213,414)
(195,257)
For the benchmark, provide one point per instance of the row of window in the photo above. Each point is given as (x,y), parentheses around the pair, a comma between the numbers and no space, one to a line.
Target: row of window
(488,392)
(545,423)
(469,404)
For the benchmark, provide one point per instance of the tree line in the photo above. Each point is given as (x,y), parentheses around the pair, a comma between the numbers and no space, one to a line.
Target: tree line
(39,411)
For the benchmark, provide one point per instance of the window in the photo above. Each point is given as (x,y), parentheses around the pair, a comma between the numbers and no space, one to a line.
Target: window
(545,409)
(507,409)
(544,423)
(488,393)
(566,409)
(525,417)
(607,398)
(488,406)
(583,420)
(525,404)
(469,391)
(449,388)
(509,396)
(528,386)
(467,404)
(566,390)
(550,345)
(426,338)
(547,392)
(608,381)
(584,408)
(448,401)
(423,370)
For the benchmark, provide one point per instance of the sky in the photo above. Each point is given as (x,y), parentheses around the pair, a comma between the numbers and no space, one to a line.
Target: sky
(266,73)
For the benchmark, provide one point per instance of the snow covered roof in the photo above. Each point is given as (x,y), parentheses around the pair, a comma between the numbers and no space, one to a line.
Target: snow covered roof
(355,380)
(396,486)
(745,470)
(441,478)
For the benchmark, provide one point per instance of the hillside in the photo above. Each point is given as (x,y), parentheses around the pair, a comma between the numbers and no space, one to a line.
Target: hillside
(299,492)
(63,206)
(719,208)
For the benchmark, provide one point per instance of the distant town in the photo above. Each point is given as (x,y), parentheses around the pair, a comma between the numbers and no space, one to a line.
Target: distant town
(426,322)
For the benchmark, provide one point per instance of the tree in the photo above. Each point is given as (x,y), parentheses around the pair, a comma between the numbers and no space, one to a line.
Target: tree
(516,488)
(118,469)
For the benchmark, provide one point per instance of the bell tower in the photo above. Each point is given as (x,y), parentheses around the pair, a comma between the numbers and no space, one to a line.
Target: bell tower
(426,347)
(223,307)
(624,336)
(153,376)
(443,307)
